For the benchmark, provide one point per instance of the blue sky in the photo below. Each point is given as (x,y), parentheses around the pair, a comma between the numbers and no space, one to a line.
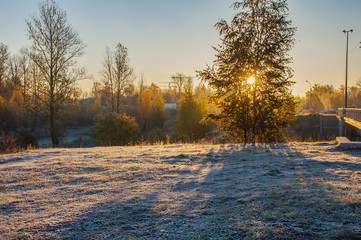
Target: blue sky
(165,37)
(320,51)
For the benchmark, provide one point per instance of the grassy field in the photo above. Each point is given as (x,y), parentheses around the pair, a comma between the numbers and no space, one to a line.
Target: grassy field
(283,191)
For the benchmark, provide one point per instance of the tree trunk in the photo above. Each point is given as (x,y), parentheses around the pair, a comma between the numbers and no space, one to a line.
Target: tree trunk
(245,135)
(53,130)
(112,94)
(118,101)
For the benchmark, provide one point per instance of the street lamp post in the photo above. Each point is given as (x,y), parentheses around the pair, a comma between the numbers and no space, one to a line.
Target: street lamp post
(346,32)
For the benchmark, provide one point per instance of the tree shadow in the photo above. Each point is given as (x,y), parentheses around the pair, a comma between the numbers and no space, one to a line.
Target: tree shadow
(176,210)
(304,197)
(274,191)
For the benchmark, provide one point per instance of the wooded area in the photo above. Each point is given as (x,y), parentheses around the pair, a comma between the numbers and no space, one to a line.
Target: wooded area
(39,97)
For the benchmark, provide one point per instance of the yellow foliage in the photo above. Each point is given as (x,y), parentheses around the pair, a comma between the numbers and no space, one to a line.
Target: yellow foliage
(158,101)
(144,103)
(16,102)
(150,106)
(96,107)
(2,101)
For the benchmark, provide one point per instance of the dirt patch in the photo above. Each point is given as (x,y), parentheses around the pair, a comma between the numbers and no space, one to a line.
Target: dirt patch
(292,191)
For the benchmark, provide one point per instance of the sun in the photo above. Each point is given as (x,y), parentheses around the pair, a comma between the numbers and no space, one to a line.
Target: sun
(251,80)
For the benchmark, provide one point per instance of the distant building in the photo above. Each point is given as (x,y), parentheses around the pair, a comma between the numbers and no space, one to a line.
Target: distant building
(170,106)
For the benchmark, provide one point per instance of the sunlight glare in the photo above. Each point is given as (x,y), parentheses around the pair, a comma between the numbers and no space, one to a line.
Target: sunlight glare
(251,80)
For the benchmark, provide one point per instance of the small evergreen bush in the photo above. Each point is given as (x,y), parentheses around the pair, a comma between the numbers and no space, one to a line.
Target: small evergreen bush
(115,130)
(26,138)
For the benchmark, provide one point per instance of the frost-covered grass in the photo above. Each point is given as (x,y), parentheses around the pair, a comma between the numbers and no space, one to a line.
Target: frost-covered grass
(294,191)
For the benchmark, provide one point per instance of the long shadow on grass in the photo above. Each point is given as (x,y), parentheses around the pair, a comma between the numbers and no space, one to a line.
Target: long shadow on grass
(301,197)
(233,192)
(273,192)
(177,209)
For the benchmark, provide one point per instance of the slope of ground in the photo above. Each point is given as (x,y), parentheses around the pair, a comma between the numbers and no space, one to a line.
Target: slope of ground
(295,191)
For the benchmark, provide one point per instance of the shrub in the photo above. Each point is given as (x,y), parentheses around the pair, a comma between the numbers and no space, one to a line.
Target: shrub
(8,143)
(26,138)
(115,130)
(157,135)
(189,124)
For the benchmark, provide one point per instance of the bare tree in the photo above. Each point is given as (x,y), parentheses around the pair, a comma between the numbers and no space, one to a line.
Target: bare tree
(123,73)
(4,57)
(34,105)
(25,73)
(107,73)
(14,71)
(55,45)
(181,83)
(118,74)
(141,82)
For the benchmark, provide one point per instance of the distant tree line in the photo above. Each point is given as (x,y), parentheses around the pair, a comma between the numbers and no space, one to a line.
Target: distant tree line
(141,108)
(146,105)
(39,95)
(38,91)
(323,97)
